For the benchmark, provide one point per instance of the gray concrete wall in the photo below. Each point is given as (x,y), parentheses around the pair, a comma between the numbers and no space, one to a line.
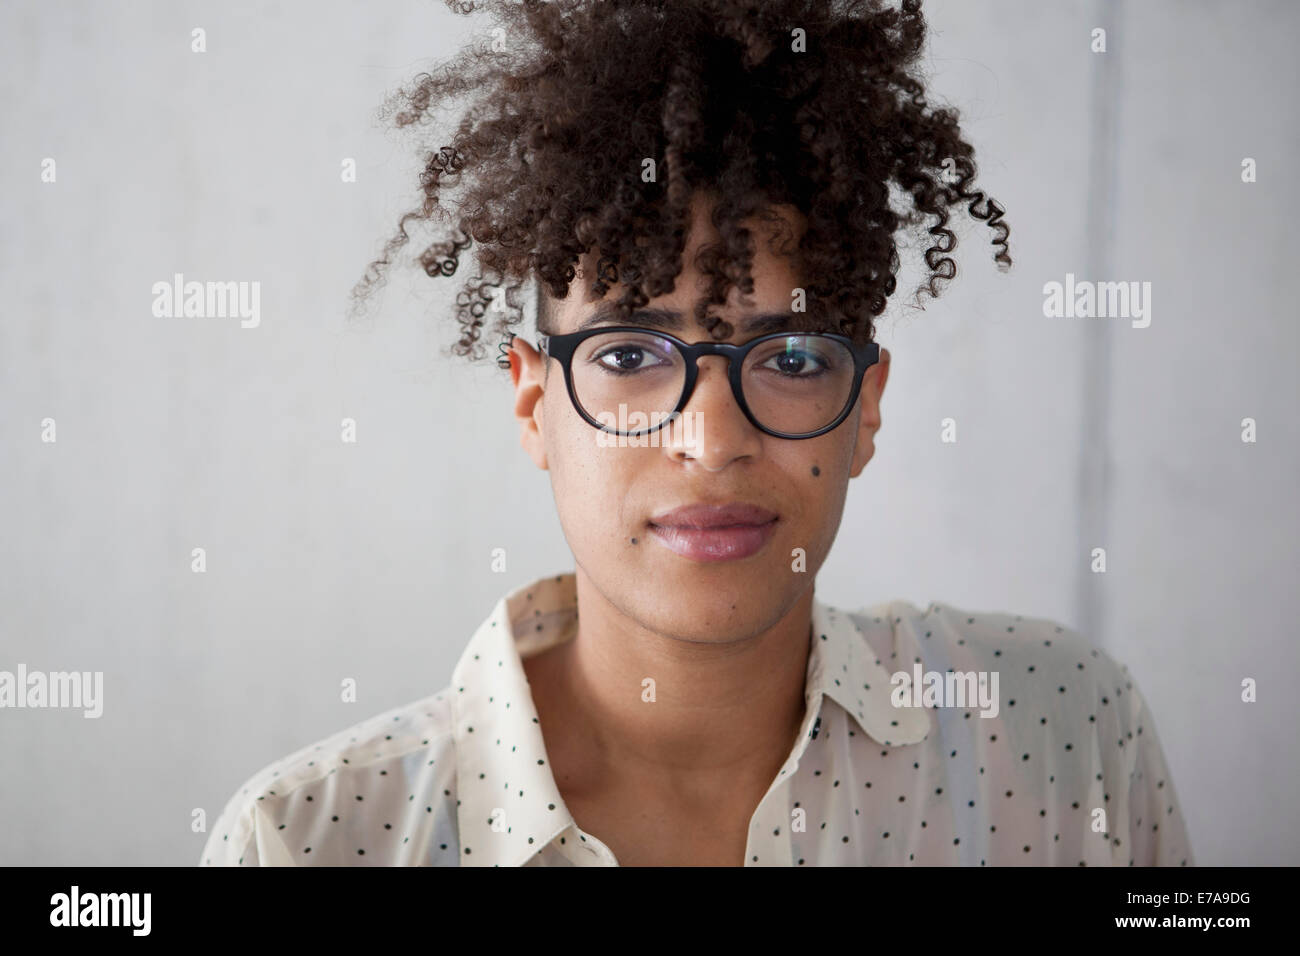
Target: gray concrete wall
(371,561)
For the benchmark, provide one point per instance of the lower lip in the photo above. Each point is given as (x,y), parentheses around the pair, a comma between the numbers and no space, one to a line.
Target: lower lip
(715,544)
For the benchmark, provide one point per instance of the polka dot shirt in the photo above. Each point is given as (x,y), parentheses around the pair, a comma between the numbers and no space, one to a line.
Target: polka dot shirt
(1066,770)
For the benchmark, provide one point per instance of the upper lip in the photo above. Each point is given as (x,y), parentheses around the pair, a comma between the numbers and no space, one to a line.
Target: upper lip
(714,516)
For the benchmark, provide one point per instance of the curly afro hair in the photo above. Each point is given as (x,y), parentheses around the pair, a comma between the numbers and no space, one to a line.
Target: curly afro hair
(593,123)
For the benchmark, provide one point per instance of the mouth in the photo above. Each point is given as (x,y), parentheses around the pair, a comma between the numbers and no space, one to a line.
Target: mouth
(709,533)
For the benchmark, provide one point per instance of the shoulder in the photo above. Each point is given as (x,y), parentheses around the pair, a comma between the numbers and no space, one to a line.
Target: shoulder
(1006,638)
(1049,691)
(1038,660)
(346,795)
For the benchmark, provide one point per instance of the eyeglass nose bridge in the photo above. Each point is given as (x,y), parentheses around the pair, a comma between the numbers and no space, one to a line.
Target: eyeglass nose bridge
(727,350)
(732,353)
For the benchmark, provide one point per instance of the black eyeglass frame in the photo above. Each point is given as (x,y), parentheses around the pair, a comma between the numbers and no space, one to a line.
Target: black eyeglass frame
(562,347)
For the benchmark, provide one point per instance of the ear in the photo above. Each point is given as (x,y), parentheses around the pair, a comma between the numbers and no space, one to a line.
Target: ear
(873,386)
(527,371)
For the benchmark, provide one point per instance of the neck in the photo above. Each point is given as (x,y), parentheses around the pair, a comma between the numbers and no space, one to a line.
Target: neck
(725,713)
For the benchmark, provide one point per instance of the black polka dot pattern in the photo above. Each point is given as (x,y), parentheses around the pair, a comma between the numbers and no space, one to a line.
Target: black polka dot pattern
(1069,772)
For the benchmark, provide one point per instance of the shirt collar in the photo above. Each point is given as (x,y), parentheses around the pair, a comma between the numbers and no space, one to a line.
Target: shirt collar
(843,666)
(499,746)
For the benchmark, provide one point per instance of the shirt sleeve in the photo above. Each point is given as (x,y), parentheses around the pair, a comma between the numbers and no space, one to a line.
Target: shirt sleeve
(244,836)
(1157,831)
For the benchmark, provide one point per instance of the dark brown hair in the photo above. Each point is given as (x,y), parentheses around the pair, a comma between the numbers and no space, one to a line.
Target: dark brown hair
(813,103)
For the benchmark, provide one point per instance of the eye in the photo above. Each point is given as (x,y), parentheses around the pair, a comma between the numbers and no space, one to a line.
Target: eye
(792,363)
(803,361)
(627,358)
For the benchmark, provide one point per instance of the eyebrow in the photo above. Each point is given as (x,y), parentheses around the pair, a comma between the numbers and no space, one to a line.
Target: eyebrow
(606,314)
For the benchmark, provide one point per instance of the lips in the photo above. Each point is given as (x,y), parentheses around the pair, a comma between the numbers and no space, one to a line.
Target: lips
(709,533)
(714,516)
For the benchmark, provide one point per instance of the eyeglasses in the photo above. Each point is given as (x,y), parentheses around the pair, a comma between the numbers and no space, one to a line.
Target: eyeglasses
(789,385)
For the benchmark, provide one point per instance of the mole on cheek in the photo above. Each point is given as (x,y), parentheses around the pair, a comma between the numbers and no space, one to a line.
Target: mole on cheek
(816,471)
(634,540)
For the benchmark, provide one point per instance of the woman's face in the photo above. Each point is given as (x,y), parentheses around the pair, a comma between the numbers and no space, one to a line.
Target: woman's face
(607,495)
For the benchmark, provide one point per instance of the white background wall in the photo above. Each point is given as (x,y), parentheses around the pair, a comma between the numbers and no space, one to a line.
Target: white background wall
(371,561)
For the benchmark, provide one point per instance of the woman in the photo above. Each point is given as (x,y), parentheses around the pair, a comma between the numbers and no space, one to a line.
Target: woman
(701,192)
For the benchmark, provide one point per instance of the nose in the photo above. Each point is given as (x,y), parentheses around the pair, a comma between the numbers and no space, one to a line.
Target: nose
(714,430)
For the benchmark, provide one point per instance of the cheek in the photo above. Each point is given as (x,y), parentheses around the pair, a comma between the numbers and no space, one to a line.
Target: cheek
(816,477)
(818,467)
(592,484)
